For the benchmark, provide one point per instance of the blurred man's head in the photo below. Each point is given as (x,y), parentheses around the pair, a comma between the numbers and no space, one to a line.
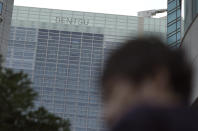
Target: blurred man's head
(145,71)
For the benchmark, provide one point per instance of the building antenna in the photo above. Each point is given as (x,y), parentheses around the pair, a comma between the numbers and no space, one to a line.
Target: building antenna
(150,13)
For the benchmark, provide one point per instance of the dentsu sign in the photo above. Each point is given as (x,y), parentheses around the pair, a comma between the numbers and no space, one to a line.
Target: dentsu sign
(72,21)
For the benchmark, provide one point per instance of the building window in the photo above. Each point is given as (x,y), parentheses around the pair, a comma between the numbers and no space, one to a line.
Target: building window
(172,16)
(172,5)
(172,28)
(1,7)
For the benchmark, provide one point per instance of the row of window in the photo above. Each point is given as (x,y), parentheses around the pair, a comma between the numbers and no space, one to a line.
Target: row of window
(23,28)
(13,42)
(59,68)
(84,75)
(67,32)
(67,56)
(174,15)
(40,79)
(74,41)
(175,26)
(61,99)
(67,35)
(174,39)
(65,83)
(52,37)
(67,52)
(73,60)
(67,73)
(172,4)
(83,64)
(82,113)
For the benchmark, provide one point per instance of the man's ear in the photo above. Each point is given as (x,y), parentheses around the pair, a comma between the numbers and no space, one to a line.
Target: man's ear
(161,79)
(157,90)
(151,86)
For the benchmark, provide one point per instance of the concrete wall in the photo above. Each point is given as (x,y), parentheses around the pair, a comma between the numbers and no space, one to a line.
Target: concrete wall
(5,25)
(190,44)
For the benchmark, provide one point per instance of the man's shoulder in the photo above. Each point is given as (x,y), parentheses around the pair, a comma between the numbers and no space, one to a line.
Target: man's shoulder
(155,119)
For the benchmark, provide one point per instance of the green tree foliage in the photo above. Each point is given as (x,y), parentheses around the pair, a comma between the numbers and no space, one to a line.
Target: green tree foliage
(17,112)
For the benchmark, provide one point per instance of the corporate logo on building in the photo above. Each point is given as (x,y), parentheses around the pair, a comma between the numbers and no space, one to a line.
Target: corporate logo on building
(72,21)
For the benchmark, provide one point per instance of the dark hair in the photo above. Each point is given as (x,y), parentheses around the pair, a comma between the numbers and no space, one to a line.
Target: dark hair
(142,57)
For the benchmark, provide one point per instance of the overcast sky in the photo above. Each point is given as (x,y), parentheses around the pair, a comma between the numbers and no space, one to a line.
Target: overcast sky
(122,7)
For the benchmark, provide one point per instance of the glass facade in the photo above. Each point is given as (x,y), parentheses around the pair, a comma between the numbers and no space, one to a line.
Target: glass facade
(21,49)
(174,23)
(64,52)
(191,11)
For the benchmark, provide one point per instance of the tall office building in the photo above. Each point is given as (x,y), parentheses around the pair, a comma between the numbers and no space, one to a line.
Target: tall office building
(189,42)
(64,51)
(6,7)
(174,23)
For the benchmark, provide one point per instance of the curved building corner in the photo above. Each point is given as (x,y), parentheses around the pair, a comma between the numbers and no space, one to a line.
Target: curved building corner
(189,43)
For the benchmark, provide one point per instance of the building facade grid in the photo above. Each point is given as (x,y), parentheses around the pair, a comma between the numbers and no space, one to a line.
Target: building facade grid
(174,23)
